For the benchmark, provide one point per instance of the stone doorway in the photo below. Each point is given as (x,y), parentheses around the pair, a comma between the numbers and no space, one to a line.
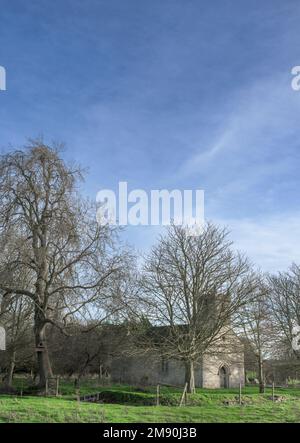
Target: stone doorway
(224,377)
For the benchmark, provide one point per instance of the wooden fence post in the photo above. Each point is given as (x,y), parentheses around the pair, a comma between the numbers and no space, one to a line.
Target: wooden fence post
(273,391)
(183,398)
(57,386)
(240,393)
(157,395)
(47,385)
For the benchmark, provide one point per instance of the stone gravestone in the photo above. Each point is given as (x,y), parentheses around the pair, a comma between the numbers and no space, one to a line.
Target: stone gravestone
(2,339)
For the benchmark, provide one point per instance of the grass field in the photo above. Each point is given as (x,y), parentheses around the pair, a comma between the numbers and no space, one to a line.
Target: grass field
(127,404)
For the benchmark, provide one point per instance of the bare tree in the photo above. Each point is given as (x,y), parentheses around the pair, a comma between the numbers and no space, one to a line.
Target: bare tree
(55,240)
(257,328)
(17,321)
(284,304)
(193,287)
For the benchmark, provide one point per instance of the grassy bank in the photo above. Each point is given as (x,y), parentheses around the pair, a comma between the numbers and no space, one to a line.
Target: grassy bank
(127,404)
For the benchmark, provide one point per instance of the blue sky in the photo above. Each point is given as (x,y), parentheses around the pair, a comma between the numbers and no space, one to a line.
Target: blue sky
(185,94)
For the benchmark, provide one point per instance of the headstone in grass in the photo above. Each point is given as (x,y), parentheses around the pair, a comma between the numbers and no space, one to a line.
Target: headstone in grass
(277,398)
(52,386)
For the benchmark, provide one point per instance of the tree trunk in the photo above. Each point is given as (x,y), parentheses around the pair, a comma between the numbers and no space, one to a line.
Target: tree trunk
(43,361)
(190,377)
(11,369)
(48,362)
(47,357)
(261,376)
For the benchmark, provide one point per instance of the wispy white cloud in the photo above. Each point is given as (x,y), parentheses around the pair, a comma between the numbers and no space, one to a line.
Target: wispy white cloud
(204,157)
(272,243)
(263,116)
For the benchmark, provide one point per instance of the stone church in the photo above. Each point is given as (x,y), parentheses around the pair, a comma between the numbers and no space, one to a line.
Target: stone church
(217,369)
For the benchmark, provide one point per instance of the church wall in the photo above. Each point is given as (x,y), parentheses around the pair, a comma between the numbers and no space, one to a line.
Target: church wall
(234,364)
(150,370)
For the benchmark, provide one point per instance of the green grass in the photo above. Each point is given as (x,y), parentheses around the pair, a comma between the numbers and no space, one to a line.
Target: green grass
(129,404)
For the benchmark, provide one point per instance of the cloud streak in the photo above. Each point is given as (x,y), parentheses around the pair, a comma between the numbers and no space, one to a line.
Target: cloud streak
(272,243)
